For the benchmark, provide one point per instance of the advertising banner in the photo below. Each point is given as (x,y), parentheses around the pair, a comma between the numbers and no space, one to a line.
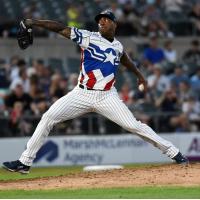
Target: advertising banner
(97,150)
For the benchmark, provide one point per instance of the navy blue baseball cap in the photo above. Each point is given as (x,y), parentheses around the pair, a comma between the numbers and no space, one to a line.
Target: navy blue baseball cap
(107,13)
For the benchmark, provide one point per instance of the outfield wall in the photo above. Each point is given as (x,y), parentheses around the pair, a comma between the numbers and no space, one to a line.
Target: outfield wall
(92,150)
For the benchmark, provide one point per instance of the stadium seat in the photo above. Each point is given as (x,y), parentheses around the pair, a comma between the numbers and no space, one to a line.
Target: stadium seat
(57,64)
(190,68)
(178,23)
(73,65)
(145,107)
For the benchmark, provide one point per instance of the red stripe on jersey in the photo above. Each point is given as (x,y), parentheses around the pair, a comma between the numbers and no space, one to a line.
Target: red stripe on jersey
(92,80)
(81,59)
(81,64)
(82,77)
(109,84)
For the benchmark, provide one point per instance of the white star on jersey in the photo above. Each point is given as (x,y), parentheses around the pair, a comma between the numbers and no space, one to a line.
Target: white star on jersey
(110,57)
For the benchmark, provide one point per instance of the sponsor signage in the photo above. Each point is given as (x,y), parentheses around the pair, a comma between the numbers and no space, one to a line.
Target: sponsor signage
(193,151)
(97,150)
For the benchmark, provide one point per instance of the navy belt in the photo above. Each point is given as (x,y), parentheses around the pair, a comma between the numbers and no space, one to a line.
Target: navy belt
(83,87)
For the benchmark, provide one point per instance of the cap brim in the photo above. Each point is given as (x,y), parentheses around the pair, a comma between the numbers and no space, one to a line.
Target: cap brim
(98,17)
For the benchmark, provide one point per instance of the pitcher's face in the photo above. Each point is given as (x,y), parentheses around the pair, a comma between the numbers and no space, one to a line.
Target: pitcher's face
(106,25)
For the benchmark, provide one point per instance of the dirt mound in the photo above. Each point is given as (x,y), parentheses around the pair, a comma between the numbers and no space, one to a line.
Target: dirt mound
(146,176)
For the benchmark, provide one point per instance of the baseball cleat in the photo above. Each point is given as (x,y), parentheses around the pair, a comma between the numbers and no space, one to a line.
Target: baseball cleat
(16,166)
(180,159)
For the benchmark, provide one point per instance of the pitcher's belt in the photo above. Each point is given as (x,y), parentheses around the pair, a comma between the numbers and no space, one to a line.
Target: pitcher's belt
(84,87)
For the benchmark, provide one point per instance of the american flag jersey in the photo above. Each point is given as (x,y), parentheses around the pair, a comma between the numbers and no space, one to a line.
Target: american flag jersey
(100,59)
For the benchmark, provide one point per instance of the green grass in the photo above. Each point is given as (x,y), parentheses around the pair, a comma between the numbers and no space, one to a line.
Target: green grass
(109,193)
(39,172)
(113,193)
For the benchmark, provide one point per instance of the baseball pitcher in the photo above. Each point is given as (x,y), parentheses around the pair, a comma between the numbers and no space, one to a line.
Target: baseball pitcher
(101,54)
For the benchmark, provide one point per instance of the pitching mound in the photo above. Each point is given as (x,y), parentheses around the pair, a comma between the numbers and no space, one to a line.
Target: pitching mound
(145,176)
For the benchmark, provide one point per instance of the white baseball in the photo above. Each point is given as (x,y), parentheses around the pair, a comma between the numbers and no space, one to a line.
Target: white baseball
(141,87)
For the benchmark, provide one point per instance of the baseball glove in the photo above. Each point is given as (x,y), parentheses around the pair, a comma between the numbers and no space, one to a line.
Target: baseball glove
(24,35)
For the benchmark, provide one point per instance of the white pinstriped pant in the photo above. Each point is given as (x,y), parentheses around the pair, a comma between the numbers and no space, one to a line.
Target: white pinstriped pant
(80,101)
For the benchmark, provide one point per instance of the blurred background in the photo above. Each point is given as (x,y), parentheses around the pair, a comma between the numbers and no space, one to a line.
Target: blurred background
(161,35)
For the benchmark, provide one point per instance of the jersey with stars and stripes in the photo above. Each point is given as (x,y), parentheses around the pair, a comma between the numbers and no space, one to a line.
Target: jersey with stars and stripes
(100,59)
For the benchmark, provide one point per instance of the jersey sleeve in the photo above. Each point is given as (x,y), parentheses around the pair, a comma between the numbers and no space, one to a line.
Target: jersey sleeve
(80,37)
(121,50)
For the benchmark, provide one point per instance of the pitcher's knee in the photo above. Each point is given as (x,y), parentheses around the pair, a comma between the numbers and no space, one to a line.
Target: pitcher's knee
(48,118)
(45,116)
(130,126)
(133,126)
